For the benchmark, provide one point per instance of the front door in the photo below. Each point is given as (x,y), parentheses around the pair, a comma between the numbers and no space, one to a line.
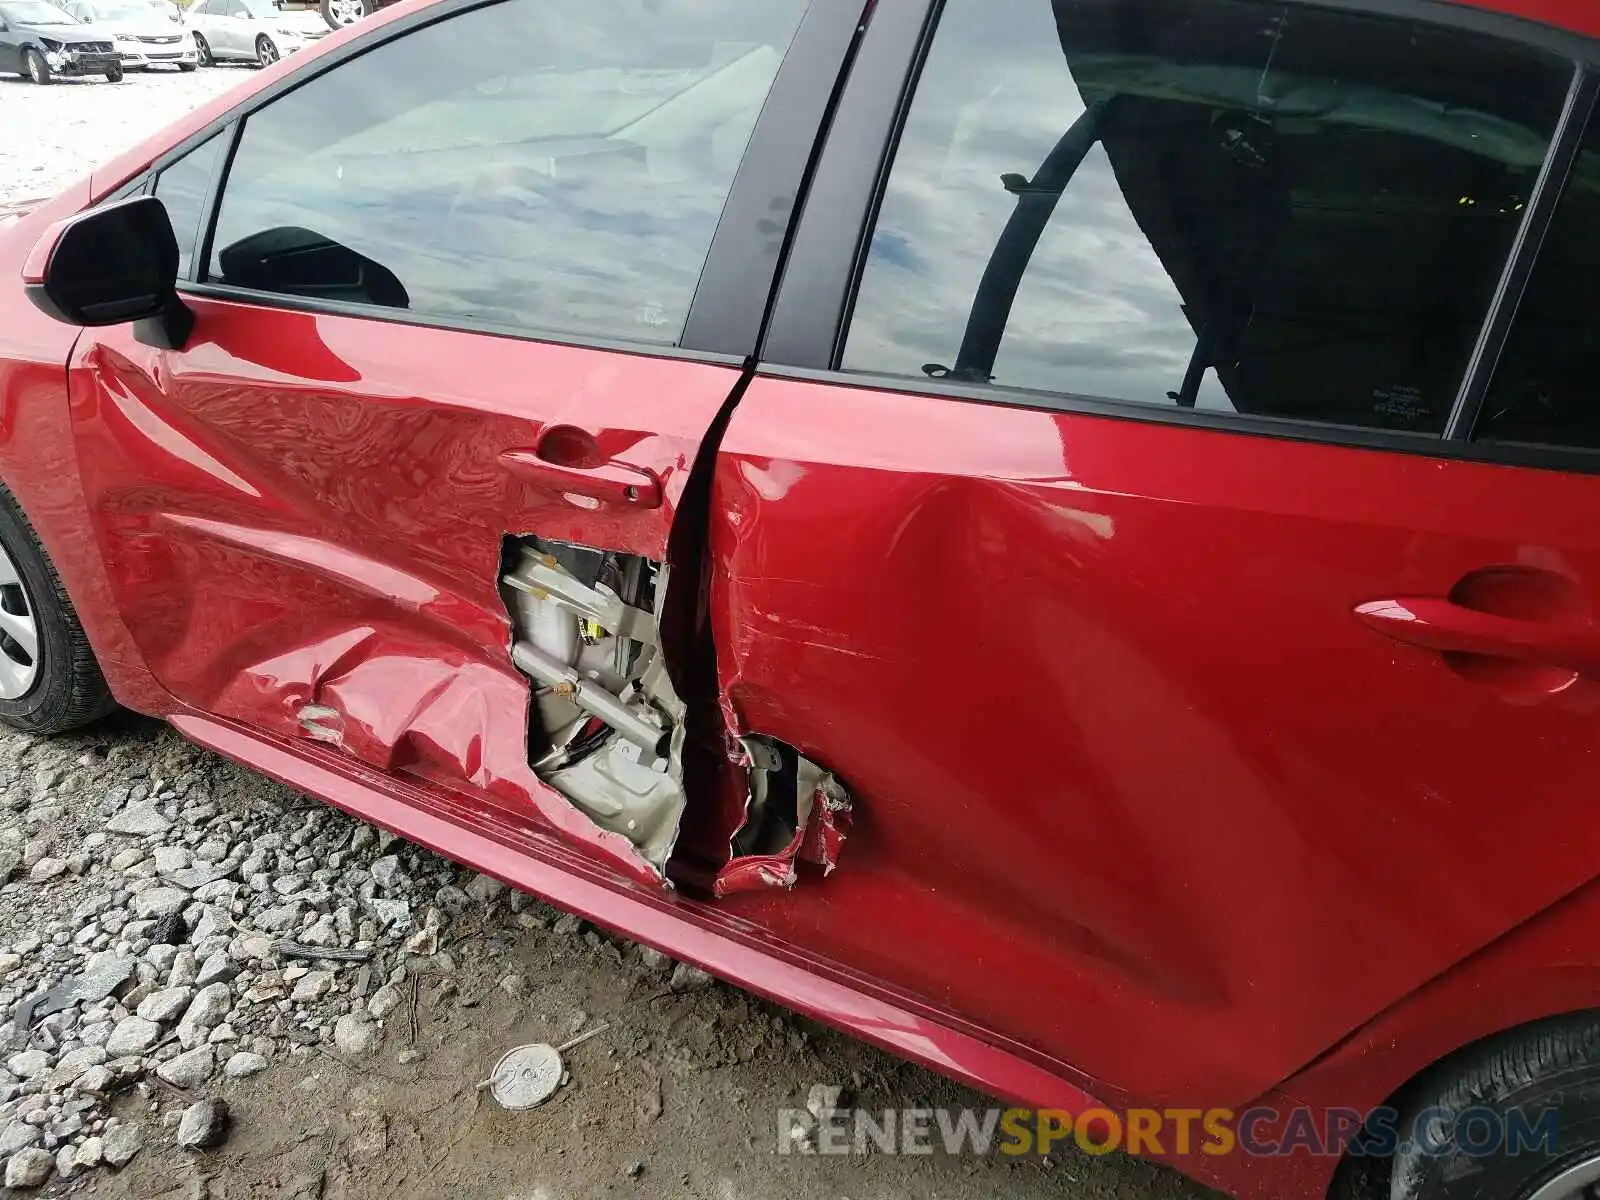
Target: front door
(310,511)
(1202,689)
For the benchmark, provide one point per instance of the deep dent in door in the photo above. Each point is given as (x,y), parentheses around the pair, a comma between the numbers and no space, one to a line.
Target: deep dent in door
(312,550)
(608,728)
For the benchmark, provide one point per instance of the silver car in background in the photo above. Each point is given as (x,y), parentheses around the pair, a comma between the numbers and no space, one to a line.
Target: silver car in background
(250,30)
(143,36)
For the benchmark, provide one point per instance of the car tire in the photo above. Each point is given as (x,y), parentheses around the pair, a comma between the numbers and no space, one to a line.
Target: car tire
(266,51)
(187,67)
(1553,1066)
(339,13)
(202,50)
(36,68)
(65,688)
(114,75)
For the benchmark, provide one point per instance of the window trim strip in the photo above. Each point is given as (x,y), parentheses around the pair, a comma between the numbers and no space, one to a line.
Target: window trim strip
(1547,192)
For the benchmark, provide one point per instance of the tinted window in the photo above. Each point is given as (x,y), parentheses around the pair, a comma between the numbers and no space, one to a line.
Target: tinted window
(548,164)
(182,189)
(1544,387)
(1260,208)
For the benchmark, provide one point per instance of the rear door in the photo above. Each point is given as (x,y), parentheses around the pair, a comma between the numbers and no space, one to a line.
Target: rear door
(10,45)
(1110,517)
(449,298)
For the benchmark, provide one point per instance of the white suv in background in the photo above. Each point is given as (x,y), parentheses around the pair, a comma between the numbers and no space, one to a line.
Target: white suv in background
(250,30)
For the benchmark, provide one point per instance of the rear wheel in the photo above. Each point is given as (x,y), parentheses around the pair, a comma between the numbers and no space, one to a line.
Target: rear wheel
(38,70)
(1544,1078)
(202,51)
(266,52)
(49,680)
(339,13)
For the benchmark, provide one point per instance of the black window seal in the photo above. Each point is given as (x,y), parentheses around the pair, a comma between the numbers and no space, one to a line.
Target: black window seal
(200,264)
(736,281)
(153,187)
(783,142)
(817,290)
(285,302)
(1574,459)
(1547,193)
(817,282)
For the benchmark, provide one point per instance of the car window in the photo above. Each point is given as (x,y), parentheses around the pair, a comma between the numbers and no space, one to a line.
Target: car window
(1251,207)
(554,165)
(1543,388)
(182,188)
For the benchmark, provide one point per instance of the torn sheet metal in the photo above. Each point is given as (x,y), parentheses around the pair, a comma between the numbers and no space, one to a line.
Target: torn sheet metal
(607,724)
(788,792)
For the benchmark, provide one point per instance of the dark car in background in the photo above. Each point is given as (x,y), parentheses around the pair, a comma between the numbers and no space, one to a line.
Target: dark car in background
(41,41)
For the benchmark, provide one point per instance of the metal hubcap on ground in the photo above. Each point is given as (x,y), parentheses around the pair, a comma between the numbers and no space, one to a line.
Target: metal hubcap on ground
(19,637)
(346,12)
(267,52)
(1580,1181)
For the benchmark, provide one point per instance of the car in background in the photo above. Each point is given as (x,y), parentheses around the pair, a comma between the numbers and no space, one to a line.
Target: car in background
(42,42)
(249,31)
(142,36)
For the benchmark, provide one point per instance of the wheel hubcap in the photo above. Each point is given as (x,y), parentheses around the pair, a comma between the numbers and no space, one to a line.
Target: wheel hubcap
(346,12)
(33,68)
(1581,1181)
(19,636)
(268,53)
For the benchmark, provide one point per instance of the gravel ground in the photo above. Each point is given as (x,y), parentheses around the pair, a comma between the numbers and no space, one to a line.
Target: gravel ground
(213,986)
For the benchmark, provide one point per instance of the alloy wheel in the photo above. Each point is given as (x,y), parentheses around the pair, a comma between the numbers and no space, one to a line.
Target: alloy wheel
(19,634)
(346,12)
(266,52)
(34,71)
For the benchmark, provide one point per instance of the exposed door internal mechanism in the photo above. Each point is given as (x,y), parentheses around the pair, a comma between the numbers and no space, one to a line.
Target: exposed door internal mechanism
(607,728)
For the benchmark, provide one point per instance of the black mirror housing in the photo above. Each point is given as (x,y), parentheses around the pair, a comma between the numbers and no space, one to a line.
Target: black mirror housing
(109,266)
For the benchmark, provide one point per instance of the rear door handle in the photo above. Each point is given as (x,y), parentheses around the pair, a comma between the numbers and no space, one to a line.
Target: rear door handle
(569,462)
(1440,624)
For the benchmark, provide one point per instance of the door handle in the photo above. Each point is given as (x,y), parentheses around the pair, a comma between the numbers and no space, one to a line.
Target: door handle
(1567,642)
(607,481)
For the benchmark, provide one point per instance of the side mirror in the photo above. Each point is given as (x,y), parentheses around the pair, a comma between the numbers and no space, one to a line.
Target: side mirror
(110,266)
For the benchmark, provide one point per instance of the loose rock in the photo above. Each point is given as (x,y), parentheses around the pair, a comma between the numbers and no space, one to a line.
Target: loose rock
(121,1143)
(204,1124)
(29,1168)
(189,1069)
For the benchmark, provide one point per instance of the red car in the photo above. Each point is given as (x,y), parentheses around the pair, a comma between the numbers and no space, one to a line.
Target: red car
(1059,536)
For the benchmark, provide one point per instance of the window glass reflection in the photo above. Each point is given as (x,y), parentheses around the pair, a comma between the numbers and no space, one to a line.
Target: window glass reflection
(1262,208)
(555,164)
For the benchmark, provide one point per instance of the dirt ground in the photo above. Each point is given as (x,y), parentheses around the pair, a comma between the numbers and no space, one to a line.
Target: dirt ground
(679,1096)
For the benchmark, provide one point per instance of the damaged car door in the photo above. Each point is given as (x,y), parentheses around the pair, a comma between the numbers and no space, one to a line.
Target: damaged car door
(1105,512)
(422,451)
